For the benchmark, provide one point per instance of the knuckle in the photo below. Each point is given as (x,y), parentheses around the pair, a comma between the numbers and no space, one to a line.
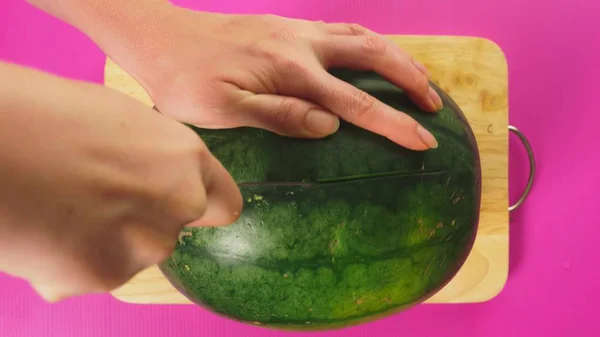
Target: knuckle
(287,35)
(282,61)
(375,45)
(357,29)
(278,59)
(291,66)
(265,50)
(256,49)
(404,122)
(364,106)
(284,111)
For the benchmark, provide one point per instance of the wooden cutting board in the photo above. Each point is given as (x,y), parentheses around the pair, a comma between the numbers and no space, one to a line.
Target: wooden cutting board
(474,72)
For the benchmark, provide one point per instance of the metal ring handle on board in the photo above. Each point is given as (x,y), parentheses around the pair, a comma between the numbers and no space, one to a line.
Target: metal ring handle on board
(525,142)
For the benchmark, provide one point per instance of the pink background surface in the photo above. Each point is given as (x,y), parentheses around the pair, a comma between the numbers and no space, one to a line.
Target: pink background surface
(552,49)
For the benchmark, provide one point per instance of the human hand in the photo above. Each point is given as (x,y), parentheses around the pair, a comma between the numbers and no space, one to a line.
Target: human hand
(223,71)
(95,185)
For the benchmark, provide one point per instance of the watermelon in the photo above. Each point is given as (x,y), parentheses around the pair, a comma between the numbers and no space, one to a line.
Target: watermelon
(337,231)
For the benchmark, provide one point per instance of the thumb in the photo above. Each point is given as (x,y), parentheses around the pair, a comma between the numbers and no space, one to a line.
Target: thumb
(288,116)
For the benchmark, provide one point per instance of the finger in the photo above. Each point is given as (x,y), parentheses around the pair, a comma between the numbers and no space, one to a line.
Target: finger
(376,53)
(223,198)
(288,116)
(353,29)
(365,111)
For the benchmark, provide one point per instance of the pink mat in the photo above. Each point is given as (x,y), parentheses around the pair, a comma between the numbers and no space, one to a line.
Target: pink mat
(553,51)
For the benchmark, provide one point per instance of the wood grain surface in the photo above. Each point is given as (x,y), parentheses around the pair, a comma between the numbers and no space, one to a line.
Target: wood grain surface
(473,71)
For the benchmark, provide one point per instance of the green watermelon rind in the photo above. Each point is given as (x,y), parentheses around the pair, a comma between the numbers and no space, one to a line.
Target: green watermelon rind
(465,239)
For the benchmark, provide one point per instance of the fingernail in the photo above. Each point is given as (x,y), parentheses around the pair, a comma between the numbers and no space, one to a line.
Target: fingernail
(427,137)
(435,99)
(321,122)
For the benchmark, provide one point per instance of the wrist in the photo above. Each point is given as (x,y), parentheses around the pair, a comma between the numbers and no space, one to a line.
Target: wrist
(129,32)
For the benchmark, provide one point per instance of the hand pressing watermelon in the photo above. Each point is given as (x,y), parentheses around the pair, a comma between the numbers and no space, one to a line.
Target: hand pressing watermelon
(222,71)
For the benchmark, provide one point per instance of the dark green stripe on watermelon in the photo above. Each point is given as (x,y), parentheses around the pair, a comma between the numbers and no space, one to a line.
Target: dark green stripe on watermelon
(335,231)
